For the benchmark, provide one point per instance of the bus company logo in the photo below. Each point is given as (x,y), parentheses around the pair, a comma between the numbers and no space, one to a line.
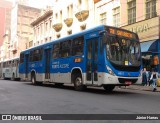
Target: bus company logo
(32,65)
(21,117)
(6,117)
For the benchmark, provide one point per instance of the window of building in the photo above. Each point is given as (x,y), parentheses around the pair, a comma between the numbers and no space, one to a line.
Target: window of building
(61,16)
(50,26)
(46,27)
(150,9)
(79,3)
(132,12)
(41,28)
(30,43)
(103,18)
(45,39)
(70,11)
(56,17)
(116,17)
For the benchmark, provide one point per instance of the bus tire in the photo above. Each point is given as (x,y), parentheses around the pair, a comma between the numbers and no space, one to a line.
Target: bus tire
(13,77)
(78,85)
(109,88)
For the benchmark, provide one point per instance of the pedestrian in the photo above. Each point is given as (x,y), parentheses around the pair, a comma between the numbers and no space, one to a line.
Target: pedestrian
(154,77)
(149,76)
(144,77)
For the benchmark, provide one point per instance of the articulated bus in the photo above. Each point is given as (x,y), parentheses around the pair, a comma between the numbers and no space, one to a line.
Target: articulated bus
(102,56)
(9,69)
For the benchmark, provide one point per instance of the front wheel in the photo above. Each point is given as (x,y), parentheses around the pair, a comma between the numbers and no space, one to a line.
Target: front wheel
(109,88)
(78,85)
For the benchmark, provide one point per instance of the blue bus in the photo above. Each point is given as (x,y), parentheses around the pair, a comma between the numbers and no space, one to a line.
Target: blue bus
(102,56)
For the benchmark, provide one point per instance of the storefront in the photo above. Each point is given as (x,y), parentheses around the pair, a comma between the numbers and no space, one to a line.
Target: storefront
(149,35)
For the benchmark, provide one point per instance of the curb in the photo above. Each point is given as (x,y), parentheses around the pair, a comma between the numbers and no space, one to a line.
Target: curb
(142,88)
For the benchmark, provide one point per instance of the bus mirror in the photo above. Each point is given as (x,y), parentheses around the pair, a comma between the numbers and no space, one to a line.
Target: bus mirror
(104,36)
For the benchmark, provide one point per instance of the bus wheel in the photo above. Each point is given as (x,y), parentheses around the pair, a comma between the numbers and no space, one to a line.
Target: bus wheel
(33,79)
(109,88)
(13,77)
(78,83)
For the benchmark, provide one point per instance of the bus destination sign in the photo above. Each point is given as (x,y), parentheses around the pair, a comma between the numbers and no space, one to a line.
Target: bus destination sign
(121,33)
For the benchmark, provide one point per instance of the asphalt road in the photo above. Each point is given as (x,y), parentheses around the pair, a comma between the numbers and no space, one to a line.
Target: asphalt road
(24,98)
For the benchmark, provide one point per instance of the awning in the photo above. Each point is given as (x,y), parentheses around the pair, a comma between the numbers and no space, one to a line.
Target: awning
(149,46)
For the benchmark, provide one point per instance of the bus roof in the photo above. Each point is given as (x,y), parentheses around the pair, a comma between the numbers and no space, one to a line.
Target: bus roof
(100,27)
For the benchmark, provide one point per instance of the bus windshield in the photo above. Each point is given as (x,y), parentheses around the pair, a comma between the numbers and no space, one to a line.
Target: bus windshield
(123,51)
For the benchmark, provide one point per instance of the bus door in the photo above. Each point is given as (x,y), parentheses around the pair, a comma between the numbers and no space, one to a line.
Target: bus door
(92,61)
(47,63)
(26,65)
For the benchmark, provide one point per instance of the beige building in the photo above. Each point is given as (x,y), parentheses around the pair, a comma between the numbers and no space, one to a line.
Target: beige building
(42,26)
(21,30)
(72,17)
(65,19)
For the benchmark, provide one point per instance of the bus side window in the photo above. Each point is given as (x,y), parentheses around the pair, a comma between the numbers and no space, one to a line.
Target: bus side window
(77,46)
(55,52)
(65,48)
(21,58)
(101,45)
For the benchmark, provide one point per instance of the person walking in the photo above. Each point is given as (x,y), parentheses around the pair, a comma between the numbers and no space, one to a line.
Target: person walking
(144,77)
(154,77)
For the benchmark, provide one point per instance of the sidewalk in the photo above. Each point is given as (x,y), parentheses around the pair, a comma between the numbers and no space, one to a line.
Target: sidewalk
(143,88)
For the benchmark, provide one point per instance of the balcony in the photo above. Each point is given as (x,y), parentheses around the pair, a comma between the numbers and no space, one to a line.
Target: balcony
(57,27)
(68,21)
(96,1)
(82,15)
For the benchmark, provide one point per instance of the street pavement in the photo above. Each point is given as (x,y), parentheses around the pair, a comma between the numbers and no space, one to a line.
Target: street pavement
(17,97)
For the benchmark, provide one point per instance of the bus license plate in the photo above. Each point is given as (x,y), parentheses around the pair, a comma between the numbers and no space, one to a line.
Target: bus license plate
(128,82)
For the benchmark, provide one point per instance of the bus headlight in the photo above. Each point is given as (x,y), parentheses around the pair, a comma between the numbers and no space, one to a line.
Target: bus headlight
(110,71)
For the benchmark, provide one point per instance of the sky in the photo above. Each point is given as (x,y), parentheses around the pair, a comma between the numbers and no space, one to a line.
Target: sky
(38,3)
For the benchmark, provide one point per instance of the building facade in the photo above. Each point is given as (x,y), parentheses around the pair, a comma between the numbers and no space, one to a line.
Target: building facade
(5,22)
(60,20)
(21,30)
(42,26)
(72,17)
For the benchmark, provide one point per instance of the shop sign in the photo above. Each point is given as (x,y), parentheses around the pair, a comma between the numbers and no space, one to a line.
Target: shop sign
(146,30)
(140,28)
